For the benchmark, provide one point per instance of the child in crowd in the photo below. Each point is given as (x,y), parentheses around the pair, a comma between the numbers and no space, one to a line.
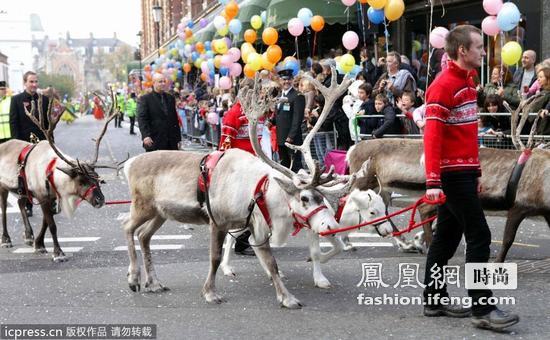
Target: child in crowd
(389,124)
(366,125)
(405,103)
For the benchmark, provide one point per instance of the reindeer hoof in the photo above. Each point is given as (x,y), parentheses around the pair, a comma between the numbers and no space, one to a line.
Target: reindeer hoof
(135,287)
(323,283)
(228,271)
(291,302)
(59,258)
(40,250)
(350,248)
(134,281)
(6,245)
(29,241)
(212,297)
(156,287)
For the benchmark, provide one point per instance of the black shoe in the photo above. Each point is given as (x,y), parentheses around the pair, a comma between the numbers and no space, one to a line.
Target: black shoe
(28,211)
(495,320)
(246,251)
(452,311)
(133,133)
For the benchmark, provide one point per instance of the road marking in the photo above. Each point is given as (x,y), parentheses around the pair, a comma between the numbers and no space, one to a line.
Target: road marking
(361,244)
(154,247)
(169,237)
(520,244)
(50,249)
(359,234)
(13,207)
(73,239)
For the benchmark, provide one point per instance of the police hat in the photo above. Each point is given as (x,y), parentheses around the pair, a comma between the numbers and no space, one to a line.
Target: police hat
(3,83)
(285,74)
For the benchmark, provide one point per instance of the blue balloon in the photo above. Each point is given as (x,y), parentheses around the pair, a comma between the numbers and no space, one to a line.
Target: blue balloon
(211,64)
(209,54)
(224,71)
(190,24)
(294,66)
(207,45)
(309,62)
(305,16)
(263,15)
(212,74)
(508,17)
(223,2)
(180,74)
(235,26)
(376,16)
(355,71)
(194,56)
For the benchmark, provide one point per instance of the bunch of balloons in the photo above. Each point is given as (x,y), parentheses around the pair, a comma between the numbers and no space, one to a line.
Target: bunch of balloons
(391,9)
(502,17)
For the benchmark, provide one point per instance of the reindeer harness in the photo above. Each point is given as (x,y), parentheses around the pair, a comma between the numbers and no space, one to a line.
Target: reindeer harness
(22,187)
(512,187)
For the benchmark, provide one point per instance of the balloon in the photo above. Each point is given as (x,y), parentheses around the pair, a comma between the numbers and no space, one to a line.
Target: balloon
(293,65)
(270,36)
(317,23)
(346,63)
(376,16)
(492,7)
(223,31)
(224,71)
(416,45)
(219,22)
(204,76)
(508,17)
(199,47)
(248,72)
(305,16)
(223,2)
(186,68)
(254,61)
(250,36)
(348,2)
(234,53)
(295,27)
(438,36)
(220,46)
(511,53)
(274,54)
(147,68)
(266,64)
(235,69)
(263,16)
(190,24)
(217,61)
(377,4)
(256,22)
(204,67)
(225,83)
(232,9)
(489,25)
(394,9)
(207,45)
(203,22)
(235,26)
(226,60)
(350,40)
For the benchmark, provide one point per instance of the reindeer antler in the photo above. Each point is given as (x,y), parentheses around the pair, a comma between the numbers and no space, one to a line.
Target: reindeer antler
(516,128)
(52,123)
(110,116)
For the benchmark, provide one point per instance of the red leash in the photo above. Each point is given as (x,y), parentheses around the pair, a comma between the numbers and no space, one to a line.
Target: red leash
(412,224)
(117,202)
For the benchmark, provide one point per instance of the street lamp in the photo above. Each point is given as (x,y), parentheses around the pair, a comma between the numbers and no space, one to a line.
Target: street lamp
(139,35)
(157,14)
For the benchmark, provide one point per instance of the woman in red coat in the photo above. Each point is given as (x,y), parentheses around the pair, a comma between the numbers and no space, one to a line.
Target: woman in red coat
(98,110)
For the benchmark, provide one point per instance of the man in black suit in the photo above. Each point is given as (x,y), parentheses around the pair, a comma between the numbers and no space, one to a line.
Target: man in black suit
(290,114)
(21,126)
(158,119)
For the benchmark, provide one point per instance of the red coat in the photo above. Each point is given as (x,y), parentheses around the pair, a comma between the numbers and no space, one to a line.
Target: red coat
(235,130)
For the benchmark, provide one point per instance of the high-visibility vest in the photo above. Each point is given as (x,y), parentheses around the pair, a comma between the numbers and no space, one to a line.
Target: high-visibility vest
(5,131)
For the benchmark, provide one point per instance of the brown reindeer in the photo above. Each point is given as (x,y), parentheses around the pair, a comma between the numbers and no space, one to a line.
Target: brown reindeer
(397,164)
(163,186)
(51,179)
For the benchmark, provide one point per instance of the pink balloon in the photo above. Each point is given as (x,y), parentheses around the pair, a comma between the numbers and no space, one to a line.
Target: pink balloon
(235,70)
(492,7)
(226,60)
(295,27)
(348,2)
(489,25)
(225,83)
(438,36)
(235,54)
(204,67)
(350,40)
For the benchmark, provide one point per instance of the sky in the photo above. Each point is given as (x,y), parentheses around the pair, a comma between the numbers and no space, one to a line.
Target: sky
(80,17)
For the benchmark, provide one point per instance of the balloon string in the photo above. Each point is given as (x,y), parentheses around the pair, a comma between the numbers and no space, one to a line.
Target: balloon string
(386,34)
(297,52)
(314,44)
(501,61)
(308,38)
(430,50)
(363,24)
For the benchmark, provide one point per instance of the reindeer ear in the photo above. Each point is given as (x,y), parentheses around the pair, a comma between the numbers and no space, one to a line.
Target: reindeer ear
(71,172)
(287,186)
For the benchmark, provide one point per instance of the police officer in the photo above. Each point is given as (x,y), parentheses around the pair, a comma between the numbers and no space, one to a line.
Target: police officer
(5,101)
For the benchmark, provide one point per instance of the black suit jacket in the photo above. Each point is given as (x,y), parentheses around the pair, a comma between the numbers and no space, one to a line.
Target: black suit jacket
(289,118)
(21,125)
(162,127)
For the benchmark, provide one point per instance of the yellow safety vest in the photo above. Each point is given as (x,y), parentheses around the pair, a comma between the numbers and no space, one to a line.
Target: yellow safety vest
(5,131)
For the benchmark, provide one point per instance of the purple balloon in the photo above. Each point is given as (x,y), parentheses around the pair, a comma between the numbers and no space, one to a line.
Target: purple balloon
(203,22)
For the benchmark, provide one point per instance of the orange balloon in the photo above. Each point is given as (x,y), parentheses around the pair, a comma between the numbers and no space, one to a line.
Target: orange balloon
(204,76)
(199,46)
(188,33)
(363,1)
(249,72)
(274,54)
(270,36)
(147,68)
(232,9)
(317,23)
(186,68)
(224,14)
(250,36)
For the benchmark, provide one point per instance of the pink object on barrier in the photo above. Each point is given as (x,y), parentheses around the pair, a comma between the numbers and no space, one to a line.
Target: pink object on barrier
(338,159)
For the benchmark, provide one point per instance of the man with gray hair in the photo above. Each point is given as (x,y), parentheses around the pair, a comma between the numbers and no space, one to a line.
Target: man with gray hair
(525,76)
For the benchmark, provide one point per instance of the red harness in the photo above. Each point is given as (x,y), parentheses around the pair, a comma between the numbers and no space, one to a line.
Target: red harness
(207,165)
(259,199)
(301,222)
(341,204)
(23,189)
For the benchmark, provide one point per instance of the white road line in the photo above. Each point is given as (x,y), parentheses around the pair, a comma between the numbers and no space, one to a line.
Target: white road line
(13,208)
(50,249)
(361,244)
(154,247)
(169,237)
(73,239)
(358,234)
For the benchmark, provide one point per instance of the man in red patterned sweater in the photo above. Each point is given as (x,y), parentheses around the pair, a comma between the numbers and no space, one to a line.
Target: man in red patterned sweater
(453,168)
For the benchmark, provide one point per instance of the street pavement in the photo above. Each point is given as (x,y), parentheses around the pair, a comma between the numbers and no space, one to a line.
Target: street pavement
(91,287)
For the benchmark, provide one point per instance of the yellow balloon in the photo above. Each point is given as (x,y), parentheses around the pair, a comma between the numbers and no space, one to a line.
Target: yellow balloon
(347,63)
(377,4)
(254,61)
(266,64)
(223,31)
(246,49)
(221,46)
(256,22)
(217,61)
(394,9)
(511,53)
(198,63)
(162,50)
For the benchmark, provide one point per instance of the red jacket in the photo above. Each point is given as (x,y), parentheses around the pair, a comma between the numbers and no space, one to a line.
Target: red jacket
(235,130)
(450,136)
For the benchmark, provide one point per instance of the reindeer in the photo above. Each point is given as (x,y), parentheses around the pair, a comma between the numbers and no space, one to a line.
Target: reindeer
(397,164)
(163,186)
(52,179)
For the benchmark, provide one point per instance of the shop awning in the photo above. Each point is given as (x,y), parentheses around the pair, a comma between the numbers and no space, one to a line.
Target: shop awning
(248,8)
(279,12)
